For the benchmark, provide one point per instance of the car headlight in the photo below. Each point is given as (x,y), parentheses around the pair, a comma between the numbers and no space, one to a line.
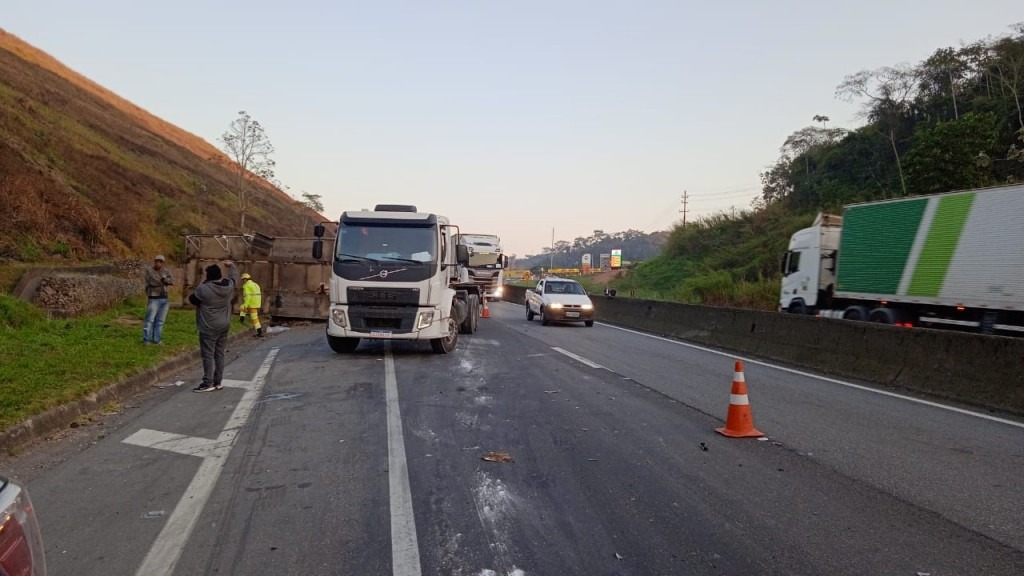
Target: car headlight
(588,306)
(425,320)
(338,316)
(555,305)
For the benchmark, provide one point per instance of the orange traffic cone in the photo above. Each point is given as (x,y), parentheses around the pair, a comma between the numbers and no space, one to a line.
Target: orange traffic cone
(740,422)
(486,313)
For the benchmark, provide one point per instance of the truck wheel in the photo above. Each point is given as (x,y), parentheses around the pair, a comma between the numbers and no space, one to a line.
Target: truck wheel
(857,313)
(473,311)
(447,344)
(882,316)
(544,318)
(797,307)
(342,345)
(529,313)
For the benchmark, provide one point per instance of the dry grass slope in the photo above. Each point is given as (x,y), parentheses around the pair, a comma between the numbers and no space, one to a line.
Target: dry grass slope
(86,174)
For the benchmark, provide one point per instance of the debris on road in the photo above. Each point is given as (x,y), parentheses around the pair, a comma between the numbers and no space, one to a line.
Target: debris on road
(154,514)
(762,439)
(497,457)
(704,446)
(552,391)
(619,556)
(277,329)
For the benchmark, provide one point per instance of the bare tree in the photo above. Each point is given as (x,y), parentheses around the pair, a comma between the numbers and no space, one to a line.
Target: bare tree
(313,202)
(248,146)
(889,92)
(1010,66)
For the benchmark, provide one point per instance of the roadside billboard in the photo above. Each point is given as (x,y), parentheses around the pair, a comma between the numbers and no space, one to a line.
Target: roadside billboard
(616,261)
(586,262)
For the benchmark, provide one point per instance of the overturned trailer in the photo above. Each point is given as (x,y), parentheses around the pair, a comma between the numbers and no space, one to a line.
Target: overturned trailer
(293,283)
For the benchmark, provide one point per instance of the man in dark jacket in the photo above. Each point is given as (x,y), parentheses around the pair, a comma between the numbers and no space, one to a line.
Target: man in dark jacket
(212,300)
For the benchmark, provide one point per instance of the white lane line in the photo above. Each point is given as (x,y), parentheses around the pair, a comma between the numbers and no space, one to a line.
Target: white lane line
(578,358)
(405,548)
(187,445)
(170,543)
(825,378)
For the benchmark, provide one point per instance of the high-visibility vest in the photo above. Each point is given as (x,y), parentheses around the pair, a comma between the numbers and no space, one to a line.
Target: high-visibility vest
(251,297)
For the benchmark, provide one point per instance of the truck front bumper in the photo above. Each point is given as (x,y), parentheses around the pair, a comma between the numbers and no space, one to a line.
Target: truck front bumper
(386,322)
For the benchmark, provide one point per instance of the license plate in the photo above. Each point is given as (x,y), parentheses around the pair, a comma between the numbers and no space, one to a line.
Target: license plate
(380,334)
(572,314)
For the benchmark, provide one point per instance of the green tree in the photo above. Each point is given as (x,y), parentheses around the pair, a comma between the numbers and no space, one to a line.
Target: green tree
(945,157)
(247,144)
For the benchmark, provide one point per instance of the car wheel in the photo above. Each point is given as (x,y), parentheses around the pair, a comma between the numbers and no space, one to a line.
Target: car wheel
(529,312)
(589,323)
(544,321)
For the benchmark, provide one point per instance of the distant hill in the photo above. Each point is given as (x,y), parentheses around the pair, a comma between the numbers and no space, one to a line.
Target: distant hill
(85,174)
(635,245)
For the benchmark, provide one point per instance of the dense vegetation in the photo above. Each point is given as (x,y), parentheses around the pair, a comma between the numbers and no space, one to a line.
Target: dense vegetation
(954,121)
(85,174)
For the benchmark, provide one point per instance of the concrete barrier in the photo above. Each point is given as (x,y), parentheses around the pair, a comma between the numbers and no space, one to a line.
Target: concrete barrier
(980,370)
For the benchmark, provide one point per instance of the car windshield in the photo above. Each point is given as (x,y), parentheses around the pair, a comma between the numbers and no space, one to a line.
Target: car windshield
(374,244)
(563,288)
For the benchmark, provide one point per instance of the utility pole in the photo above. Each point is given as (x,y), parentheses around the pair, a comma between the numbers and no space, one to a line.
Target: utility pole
(685,198)
(552,249)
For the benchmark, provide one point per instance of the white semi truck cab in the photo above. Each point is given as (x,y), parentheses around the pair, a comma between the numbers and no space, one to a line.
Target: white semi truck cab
(398,274)
(486,263)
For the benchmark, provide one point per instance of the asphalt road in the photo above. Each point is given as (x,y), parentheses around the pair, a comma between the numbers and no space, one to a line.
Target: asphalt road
(313,463)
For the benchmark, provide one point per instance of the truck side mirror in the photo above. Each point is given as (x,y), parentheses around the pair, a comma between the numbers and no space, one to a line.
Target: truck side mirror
(504,261)
(462,254)
(784,264)
(318,249)
(318,231)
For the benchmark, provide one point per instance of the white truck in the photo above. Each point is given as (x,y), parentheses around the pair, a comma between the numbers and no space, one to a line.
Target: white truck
(952,260)
(398,274)
(487,264)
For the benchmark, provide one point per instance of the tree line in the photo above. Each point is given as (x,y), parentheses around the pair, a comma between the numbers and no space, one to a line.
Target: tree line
(635,245)
(953,121)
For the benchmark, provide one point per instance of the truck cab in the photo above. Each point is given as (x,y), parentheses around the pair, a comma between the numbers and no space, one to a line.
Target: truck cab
(398,274)
(809,266)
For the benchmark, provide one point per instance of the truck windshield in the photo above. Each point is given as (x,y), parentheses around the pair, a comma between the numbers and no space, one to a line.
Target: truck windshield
(381,244)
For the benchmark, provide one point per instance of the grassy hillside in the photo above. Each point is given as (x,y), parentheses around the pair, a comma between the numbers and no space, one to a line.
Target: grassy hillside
(85,174)
(722,260)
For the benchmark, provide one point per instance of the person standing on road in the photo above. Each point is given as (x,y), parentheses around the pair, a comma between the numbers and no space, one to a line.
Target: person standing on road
(212,300)
(158,279)
(252,300)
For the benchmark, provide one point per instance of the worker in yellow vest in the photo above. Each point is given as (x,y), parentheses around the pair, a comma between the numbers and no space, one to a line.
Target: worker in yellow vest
(252,300)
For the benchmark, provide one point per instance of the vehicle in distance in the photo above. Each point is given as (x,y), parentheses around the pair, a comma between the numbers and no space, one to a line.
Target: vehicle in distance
(21,545)
(948,260)
(559,300)
(486,263)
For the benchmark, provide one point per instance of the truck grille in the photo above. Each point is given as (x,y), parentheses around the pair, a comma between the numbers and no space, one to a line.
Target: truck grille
(486,279)
(398,319)
(390,296)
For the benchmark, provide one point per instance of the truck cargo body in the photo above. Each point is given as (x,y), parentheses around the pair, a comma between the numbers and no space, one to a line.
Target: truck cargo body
(294,284)
(951,260)
(398,274)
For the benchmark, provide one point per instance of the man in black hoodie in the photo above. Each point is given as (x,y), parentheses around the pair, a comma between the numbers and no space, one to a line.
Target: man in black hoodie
(212,300)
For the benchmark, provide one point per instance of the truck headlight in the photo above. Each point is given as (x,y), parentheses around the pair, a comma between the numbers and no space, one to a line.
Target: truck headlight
(588,306)
(425,319)
(555,305)
(338,316)
(499,291)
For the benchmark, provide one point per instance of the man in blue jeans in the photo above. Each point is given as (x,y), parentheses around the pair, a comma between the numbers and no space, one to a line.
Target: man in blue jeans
(157,280)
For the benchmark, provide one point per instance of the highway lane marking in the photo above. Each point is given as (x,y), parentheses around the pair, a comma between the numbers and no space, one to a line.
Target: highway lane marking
(825,378)
(165,553)
(578,358)
(405,548)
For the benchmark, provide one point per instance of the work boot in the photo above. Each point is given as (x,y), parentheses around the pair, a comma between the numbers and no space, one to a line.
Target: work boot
(259,332)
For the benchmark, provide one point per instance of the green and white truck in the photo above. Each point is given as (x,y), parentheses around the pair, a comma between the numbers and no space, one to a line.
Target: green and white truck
(951,260)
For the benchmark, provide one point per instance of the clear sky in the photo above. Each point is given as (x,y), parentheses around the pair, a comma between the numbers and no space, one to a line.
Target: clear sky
(511,117)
